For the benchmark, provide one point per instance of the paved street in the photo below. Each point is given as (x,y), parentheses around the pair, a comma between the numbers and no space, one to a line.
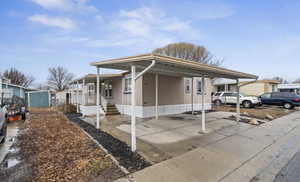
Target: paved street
(290,173)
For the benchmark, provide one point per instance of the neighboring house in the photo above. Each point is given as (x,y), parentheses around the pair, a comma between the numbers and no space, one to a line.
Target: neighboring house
(255,88)
(294,87)
(8,90)
(32,97)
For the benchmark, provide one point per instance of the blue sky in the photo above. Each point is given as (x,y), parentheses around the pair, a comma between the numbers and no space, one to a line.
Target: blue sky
(255,36)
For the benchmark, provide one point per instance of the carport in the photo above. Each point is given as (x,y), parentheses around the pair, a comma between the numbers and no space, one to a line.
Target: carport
(164,65)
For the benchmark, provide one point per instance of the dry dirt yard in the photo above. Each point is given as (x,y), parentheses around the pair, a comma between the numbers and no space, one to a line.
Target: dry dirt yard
(51,148)
(260,112)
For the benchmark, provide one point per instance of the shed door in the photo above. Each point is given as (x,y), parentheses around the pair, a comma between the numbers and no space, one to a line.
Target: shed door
(39,99)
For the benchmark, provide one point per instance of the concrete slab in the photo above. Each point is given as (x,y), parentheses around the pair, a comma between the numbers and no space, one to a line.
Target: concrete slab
(170,129)
(164,137)
(197,161)
(237,128)
(244,173)
(219,124)
(241,147)
(262,135)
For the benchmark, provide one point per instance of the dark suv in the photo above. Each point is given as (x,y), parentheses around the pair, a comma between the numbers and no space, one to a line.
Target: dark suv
(286,99)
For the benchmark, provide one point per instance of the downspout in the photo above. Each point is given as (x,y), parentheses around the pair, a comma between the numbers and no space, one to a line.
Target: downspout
(145,70)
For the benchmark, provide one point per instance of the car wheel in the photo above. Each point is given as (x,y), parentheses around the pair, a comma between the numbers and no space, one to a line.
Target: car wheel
(218,102)
(287,105)
(247,104)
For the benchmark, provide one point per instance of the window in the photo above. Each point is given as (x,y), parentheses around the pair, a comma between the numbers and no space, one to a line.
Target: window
(221,88)
(218,94)
(199,87)
(266,96)
(127,85)
(228,94)
(108,90)
(91,89)
(187,86)
(274,89)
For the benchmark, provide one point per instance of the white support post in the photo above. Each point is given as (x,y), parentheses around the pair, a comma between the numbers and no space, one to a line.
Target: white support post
(202,104)
(122,91)
(192,95)
(83,92)
(133,118)
(97,101)
(1,90)
(100,87)
(49,98)
(156,96)
(237,101)
(28,98)
(77,97)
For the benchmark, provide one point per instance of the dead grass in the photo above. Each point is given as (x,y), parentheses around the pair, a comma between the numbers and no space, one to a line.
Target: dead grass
(257,112)
(58,151)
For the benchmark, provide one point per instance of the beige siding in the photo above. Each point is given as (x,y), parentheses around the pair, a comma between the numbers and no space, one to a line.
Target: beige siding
(119,97)
(255,89)
(170,90)
(117,90)
(270,87)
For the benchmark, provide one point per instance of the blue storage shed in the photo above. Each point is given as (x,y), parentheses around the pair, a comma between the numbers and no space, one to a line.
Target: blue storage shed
(42,98)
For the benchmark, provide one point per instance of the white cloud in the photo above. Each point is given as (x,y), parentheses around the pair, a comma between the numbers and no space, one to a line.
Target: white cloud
(134,27)
(146,20)
(150,28)
(65,5)
(60,22)
(206,11)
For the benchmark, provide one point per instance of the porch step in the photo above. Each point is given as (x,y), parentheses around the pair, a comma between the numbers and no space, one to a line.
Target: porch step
(111,110)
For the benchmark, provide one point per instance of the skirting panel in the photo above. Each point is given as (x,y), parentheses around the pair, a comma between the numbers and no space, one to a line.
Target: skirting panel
(149,111)
(89,110)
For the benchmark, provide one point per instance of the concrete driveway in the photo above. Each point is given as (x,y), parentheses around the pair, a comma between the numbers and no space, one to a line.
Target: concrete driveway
(180,127)
(171,136)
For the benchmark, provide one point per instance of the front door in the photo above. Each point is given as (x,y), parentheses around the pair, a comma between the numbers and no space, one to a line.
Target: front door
(108,90)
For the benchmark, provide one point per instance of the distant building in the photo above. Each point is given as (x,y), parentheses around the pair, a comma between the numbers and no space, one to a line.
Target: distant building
(294,87)
(8,90)
(255,88)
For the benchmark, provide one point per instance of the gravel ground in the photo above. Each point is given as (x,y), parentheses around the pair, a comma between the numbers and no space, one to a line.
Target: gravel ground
(51,148)
(259,112)
(132,161)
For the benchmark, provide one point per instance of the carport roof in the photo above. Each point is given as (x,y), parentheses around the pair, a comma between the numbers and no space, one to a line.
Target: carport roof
(171,66)
(92,77)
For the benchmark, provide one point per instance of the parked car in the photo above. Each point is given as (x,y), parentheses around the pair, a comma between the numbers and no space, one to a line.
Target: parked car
(3,124)
(286,99)
(231,98)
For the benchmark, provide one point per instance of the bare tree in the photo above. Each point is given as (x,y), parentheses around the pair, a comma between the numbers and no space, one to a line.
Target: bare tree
(59,78)
(18,78)
(190,52)
(42,86)
(280,79)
